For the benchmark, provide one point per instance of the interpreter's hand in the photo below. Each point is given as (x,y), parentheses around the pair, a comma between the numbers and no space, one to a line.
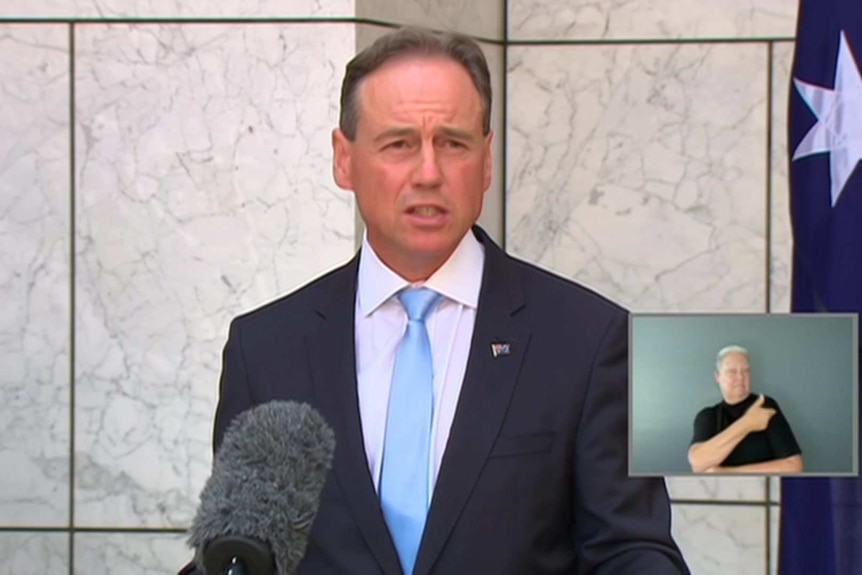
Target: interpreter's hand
(757,417)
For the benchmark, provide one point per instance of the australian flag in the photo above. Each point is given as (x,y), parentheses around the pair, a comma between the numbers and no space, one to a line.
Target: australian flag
(821,518)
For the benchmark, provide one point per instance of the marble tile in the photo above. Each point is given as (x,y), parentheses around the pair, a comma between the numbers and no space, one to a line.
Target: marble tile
(130,553)
(175,8)
(588,19)
(34,277)
(775,489)
(204,189)
(717,540)
(774,526)
(492,217)
(641,170)
(481,18)
(717,488)
(781,235)
(31,553)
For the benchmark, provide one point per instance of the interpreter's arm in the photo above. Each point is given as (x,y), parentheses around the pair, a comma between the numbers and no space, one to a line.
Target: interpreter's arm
(792,464)
(705,455)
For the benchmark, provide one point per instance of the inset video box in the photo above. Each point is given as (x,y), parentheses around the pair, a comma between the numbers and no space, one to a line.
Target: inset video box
(767,394)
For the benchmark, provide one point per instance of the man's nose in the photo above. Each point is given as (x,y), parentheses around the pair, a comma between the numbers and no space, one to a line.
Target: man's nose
(427,172)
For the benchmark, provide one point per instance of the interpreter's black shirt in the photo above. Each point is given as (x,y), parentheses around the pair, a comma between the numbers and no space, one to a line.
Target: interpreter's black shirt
(774,442)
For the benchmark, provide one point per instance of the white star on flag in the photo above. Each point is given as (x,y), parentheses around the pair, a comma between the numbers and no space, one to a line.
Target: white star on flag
(838,130)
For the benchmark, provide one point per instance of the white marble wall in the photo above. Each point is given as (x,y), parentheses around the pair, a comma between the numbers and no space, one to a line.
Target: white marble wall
(641,170)
(35,553)
(203,190)
(138,553)
(623,19)
(720,539)
(479,18)
(780,232)
(730,489)
(176,9)
(34,276)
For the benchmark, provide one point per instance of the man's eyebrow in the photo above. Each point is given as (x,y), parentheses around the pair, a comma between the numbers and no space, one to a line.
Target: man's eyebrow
(457,133)
(395,133)
(449,132)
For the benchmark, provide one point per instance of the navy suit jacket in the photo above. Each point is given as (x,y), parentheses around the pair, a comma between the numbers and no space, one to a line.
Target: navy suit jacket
(534,476)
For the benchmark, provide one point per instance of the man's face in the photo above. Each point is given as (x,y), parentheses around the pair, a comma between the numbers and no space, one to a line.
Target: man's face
(734,378)
(419,164)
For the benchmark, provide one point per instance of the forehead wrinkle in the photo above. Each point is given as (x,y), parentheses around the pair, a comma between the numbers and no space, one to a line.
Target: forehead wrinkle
(397,99)
(430,112)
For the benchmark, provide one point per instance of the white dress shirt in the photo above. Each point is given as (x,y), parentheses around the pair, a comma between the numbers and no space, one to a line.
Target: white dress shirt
(380,324)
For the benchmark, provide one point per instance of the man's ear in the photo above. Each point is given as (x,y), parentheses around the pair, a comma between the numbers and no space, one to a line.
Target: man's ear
(341,160)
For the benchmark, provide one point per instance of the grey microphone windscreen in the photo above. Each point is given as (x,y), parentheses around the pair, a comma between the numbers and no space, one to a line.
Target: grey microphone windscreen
(267,478)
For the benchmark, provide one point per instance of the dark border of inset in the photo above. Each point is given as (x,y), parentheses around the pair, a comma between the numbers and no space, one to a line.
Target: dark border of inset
(854,319)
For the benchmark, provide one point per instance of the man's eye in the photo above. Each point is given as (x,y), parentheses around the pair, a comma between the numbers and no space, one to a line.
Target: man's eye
(397,145)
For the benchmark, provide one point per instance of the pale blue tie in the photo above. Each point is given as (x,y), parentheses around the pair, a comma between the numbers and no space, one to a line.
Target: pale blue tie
(404,478)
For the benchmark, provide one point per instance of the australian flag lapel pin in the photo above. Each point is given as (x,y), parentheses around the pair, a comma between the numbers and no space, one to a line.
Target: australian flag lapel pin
(500,349)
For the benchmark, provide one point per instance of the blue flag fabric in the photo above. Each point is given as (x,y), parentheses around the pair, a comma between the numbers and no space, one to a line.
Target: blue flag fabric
(821,518)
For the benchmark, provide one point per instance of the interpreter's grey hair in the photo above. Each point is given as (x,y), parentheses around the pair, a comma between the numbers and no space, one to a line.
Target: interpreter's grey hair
(413,42)
(727,350)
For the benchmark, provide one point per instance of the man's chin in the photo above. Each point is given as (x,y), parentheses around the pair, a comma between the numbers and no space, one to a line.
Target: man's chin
(433,247)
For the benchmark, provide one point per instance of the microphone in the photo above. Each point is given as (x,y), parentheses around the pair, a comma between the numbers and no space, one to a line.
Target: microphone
(258,505)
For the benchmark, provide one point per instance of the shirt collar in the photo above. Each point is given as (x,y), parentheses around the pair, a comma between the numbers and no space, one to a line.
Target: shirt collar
(458,279)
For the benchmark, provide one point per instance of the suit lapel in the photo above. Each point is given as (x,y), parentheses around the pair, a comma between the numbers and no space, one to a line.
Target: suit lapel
(484,400)
(333,363)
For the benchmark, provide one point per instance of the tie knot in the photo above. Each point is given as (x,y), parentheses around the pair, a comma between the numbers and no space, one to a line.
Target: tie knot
(418,302)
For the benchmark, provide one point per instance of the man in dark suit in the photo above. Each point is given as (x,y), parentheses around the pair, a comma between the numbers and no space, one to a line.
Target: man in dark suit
(523,465)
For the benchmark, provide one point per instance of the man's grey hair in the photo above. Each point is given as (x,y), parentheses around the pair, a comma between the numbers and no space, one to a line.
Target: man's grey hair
(413,42)
(727,350)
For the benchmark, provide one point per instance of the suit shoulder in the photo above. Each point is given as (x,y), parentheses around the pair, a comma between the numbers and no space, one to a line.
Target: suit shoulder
(564,292)
(302,298)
